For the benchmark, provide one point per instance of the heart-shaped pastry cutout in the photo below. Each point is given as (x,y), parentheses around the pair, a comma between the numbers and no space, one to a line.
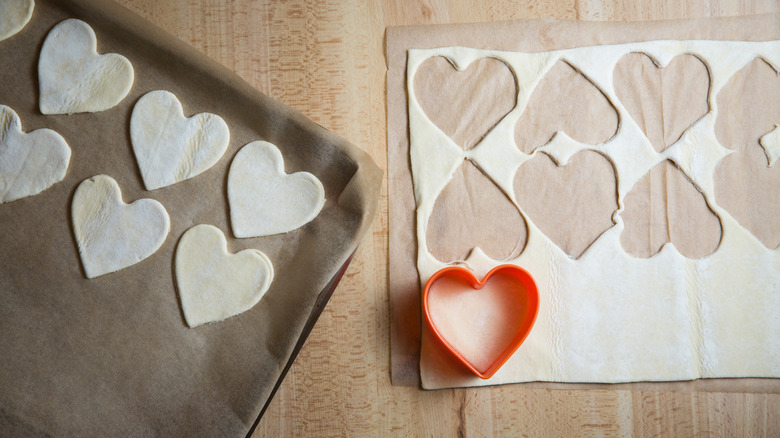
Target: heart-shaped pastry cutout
(481,322)
(169,147)
(466,104)
(14,15)
(73,78)
(565,101)
(110,234)
(747,182)
(263,199)
(470,212)
(29,162)
(664,102)
(571,204)
(214,284)
(664,206)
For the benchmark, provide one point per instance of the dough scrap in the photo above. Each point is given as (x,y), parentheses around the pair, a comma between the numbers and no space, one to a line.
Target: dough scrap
(29,162)
(14,15)
(771,144)
(169,147)
(214,284)
(608,316)
(110,234)
(263,199)
(74,78)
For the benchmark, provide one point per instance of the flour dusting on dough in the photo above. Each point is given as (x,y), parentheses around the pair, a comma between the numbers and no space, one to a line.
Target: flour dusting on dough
(169,147)
(214,284)
(74,78)
(14,15)
(771,144)
(29,162)
(264,200)
(110,234)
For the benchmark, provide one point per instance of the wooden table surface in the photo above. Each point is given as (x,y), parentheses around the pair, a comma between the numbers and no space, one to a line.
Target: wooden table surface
(326,59)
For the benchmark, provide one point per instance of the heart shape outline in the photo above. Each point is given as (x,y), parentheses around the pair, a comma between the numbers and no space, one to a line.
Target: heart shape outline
(597,183)
(449,89)
(639,73)
(678,214)
(746,180)
(169,147)
(99,213)
(530,287)
(256,193)
(203,289)
(456,227)
(74,78)
(566,101)
(43,153)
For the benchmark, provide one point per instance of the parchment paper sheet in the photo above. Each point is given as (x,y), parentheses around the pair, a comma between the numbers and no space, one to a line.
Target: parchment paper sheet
(112,356)
(531,36)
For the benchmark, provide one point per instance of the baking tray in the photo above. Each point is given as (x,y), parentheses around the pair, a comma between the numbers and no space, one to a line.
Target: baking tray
(113,355)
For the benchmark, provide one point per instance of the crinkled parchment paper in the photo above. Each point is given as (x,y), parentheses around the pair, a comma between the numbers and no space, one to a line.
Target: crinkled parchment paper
(113,355)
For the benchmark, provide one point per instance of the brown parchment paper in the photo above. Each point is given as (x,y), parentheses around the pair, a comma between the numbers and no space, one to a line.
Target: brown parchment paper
(113,356)
(666,192)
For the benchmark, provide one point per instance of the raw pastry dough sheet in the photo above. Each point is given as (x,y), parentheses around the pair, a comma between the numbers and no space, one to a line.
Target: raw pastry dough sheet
(113,355)
(562,360)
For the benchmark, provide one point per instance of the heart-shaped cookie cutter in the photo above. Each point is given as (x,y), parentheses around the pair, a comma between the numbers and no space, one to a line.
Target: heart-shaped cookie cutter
(528,286)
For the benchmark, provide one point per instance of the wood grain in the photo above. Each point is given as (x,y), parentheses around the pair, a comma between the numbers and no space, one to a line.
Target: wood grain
(326,59)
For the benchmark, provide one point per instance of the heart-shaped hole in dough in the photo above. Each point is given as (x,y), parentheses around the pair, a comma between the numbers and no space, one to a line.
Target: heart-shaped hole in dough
(665,206)
(571,204)
(470,212)
(664,102)
(565,101)
(745,184)
(466,104)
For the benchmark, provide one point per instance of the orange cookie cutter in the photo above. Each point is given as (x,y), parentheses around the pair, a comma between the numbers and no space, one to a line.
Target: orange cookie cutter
(527,285)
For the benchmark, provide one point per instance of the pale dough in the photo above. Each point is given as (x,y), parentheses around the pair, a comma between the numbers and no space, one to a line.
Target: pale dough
(110,234)
(73,78)
(610,317)
(169,147)
(29,162)
(14,15)
(214,284)
(263,199)
(771,144)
